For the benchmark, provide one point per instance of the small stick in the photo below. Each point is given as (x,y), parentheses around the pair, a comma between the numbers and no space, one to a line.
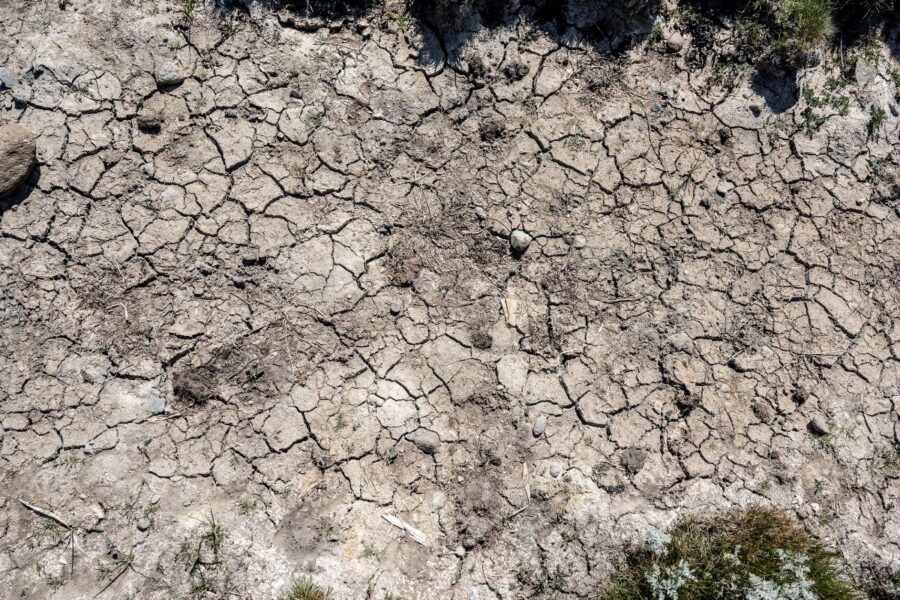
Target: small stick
(57,519)
(45,513)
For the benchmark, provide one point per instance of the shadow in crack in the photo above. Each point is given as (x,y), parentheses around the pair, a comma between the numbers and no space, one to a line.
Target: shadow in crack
(780,92)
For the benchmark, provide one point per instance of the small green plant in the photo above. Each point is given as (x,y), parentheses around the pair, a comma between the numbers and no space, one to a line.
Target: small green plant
(755,553)
(197,554)
(763,487)
(304,589)
(214,536)
(339,423)
(575,143)
(818,486)
(877,116)
(887,460)
(187,7)
(68,460)
(830,97)
(369,551)
(247,507)
(688,178)
(599,471)
(555,581)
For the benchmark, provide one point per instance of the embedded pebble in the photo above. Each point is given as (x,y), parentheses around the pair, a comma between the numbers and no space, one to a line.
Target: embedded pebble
(427,441)
(539,426)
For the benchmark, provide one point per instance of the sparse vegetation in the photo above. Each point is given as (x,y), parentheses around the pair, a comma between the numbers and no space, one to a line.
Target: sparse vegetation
(755,554)
(305,589)
(882,583)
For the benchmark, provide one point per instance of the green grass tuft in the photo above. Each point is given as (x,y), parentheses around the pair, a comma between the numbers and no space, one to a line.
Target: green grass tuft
(751,554)
(806,24)
(304,589)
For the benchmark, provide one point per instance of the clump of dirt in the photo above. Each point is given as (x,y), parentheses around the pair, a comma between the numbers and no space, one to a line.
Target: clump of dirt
(195,387)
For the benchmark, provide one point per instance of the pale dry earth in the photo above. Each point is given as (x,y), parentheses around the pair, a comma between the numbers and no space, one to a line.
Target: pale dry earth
(279,296)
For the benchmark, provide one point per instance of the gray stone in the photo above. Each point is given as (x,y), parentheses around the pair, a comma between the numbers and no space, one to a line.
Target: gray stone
(818,425)
(680,341)
(7,79)
(144,524)
(519,241)
(555,471)
(17,157)
(427,441)
(169,74)
(539,426)
(579,241)
(156,405)
(633,460)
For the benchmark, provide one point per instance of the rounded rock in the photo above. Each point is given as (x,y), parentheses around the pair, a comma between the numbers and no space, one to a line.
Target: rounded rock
(818,425)
(519,241)
(540,424)
(675,42)
(169,74)
(7,79)
(427,441)
(18,156)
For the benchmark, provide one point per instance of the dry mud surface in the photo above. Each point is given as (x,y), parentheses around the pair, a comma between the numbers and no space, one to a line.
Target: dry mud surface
(258,301)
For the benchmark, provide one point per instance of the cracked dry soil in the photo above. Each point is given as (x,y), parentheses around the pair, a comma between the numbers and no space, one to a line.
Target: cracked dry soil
(261,283)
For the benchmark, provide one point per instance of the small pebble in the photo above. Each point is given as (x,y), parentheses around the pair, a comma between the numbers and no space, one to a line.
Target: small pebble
(156,405)
(818,425)
(539,426)
(519,241)
(555,471)
(7,79)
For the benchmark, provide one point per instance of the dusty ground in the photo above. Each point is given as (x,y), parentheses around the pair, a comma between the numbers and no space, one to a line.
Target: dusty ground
(246,317)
